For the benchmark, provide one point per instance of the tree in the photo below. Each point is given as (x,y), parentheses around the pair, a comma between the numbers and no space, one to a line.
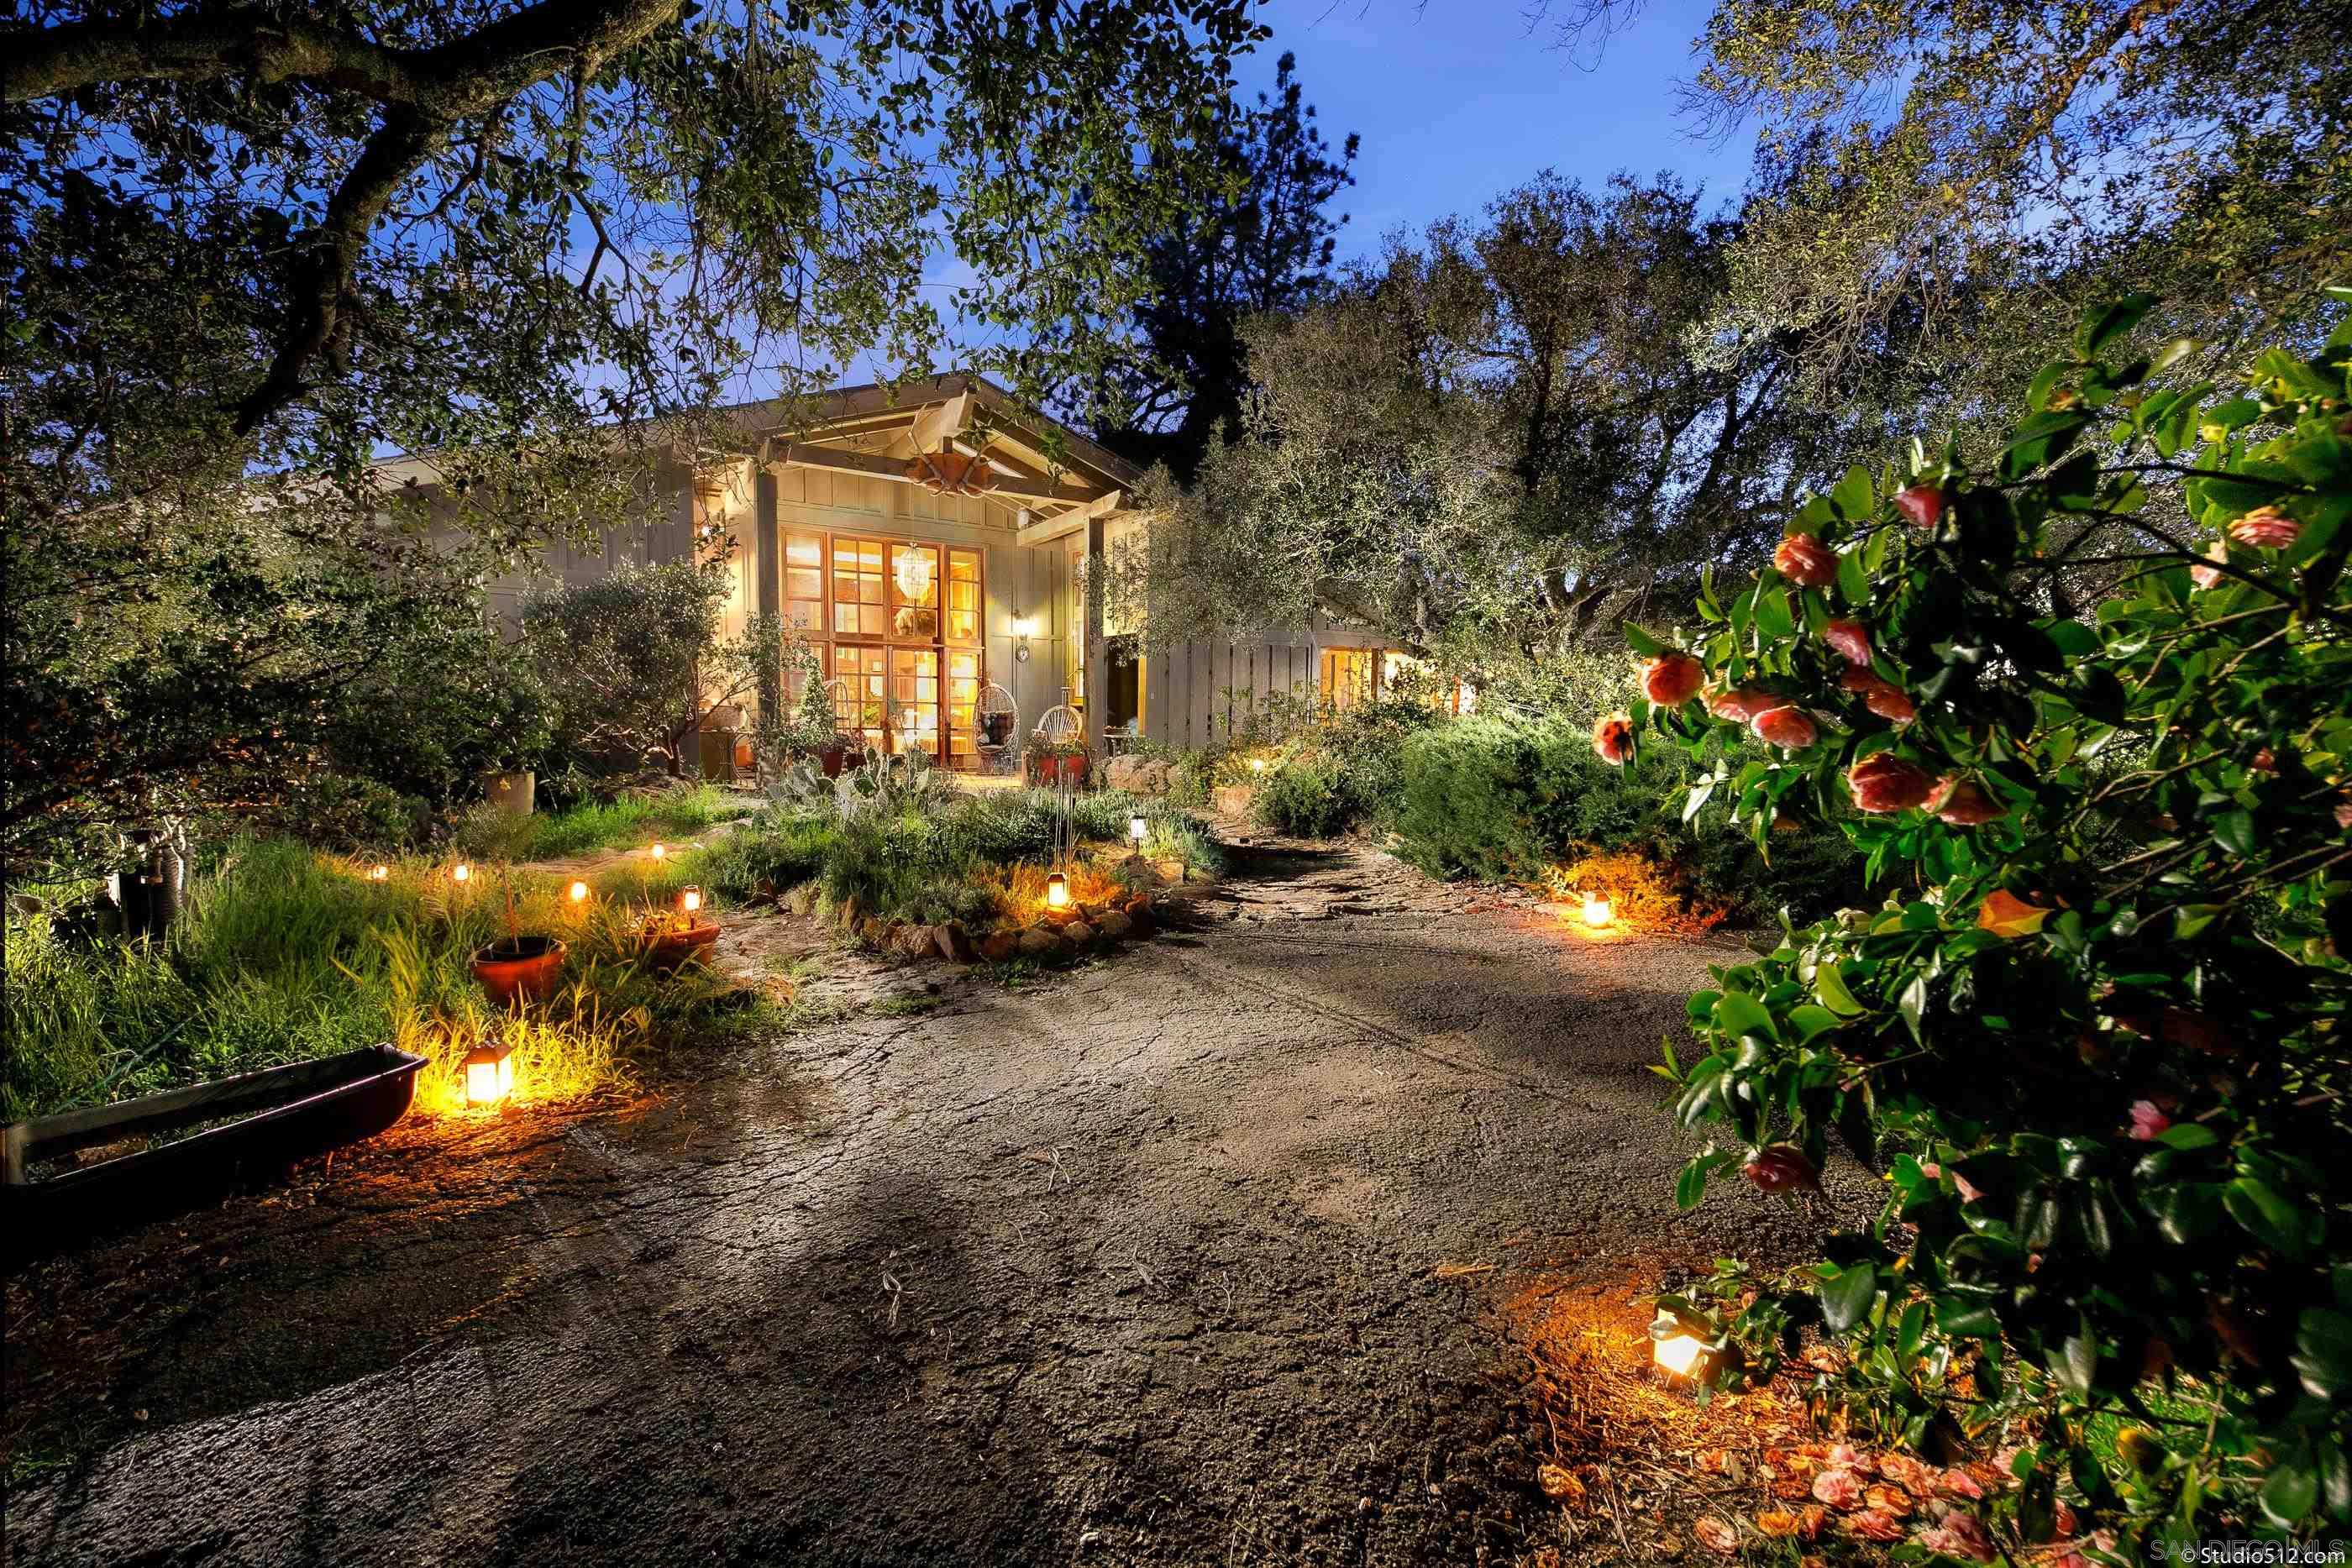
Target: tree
(636,657)
(2094,1040)
(1257,240)
(535,240)
(1993,166)
(1488,436)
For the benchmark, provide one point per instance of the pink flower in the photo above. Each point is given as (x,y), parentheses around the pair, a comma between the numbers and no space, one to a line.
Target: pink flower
(1970,1192)
(1963,802)
(1922,504)
(2206,576)
(1838,1487)
(1612,738)
(1959,1483)
(1850,637)
(1875,1526)
(2147,1123)
(1740,705)
(1671,680)
(1879,695)
(2266,527)
(1806,561)
(1785,727)
(1883,783)
(1781,1168)
(1960,1535)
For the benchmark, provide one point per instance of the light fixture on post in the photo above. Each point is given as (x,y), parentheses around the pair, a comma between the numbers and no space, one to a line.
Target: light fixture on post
(461,871)
(689,904)
(657,852)
(1058,891)
(378,872)
(1680,1353)
(1137,828)
(1257,764)
(578,893)
(489,1073)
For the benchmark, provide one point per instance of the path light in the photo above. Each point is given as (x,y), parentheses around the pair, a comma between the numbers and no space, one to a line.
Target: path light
(1257,764)
(1057,892)
(1136,829)
(689,899)
(579,893)
(658,853)
(379,873)
(1598,911)
(489,1073)
(461,871)
(1675,1351)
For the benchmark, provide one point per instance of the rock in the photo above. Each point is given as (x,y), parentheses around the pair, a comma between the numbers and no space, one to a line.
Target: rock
(1078,934)
(953,943)
(801,899)
(1136,775)
(1038,941)
(848,914)
(1113,925)
(999,946)
(914,941)
(1234,799)
(1170,869)
(872,932)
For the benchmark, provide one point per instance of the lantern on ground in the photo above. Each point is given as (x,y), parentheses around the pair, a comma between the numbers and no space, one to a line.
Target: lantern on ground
(1598,911)
(578,893)
(1057,892)
(657,852)
(1676,1353)
(461,871)
(690,901)
(1257,764)
(379,873)
(1136,829)
(489,1073)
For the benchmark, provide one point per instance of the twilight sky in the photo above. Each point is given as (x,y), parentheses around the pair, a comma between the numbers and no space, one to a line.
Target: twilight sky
(1459,101)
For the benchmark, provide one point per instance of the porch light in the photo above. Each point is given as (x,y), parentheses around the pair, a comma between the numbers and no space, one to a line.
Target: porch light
(578,893)
(1057,892)
(461,871)
(1598,911)
(913,571)
(489,1073)
(379,873)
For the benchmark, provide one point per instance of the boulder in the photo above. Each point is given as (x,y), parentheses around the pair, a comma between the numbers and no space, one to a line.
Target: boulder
(1038,941)
(1136,775)
(1078,934)
(873,932)
(1234,799)
(847,913)
(953,943)
(914,941)
(801,899)
(999,946)
(1113,925)
(1170,869)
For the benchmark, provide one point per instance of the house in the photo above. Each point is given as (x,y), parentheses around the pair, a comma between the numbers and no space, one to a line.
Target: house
(932,540)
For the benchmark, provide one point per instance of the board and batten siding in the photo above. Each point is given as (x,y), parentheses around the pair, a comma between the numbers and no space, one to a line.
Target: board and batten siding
(1199,691)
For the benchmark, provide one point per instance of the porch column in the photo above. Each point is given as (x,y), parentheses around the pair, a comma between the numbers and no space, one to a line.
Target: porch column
(1096,656)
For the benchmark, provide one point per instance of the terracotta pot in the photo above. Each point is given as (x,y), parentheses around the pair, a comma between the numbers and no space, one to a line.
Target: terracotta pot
(674,947)
(743,754)
(524,967)
(834,758)
(1070,769)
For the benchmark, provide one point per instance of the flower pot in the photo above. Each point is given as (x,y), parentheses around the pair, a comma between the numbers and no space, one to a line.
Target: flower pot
(675,946)
(743,754)
(511,792)
(1069,769)
(834,758)
(524,967)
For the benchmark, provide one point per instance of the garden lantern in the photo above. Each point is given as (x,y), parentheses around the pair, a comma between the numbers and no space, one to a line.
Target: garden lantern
(1057,892)
(689,907)
(489,1073)
(379,873)
(579,893)
(1257,764)
(658,853)
(1677,1354)
(461,871)
(1598,911)
(1135,831)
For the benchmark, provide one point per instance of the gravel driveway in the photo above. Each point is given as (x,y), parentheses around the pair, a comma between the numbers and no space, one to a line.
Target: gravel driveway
(1188,1258)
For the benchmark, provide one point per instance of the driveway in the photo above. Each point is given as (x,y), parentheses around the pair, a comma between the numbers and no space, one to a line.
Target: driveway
(1193,1257)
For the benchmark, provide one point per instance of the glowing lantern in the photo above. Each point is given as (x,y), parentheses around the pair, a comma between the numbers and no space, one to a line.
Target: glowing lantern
(489,1073)
(379,873)
(1136,829)
(1676,1353)
(690,901)
(1257,764)
(658,853)
(1598,911)
(461,871)
(579,893)
(1057,892)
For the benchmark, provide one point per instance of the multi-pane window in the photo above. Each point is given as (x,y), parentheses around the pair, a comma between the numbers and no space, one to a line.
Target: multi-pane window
(1348,675)
(900,624)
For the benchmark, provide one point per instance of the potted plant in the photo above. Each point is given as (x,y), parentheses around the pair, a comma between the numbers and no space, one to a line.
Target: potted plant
(812,731)
(1056,761)
(516,967)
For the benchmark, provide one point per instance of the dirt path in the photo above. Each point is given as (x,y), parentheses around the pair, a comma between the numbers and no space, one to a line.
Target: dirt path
(1142,1265)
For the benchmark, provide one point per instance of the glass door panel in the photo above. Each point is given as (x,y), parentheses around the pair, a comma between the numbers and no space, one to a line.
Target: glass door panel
(914,593)
(915,699)
(804,581)
(857,609)
(963,707)
(963,602)
(862,708)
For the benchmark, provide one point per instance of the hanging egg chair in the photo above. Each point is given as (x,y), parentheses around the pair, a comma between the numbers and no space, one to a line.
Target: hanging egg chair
(997,717)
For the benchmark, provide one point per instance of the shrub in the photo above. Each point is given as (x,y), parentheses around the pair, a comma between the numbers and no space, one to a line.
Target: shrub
(1305,798)
(2096,1048)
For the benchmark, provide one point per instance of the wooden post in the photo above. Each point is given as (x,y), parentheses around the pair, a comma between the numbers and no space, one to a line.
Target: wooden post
(1097,665)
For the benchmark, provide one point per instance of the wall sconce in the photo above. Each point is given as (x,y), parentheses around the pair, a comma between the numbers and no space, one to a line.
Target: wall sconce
(461,871)
(1057,892)
(1024,628)
(489,1073)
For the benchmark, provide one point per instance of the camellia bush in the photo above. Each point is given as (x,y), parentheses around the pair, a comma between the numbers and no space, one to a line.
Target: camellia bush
(2087,706)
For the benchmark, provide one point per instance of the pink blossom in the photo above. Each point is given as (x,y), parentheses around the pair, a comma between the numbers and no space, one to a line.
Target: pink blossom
(1612,738)
(1922,504)
(1806,561)
(1960,1535)
(2266,527)
(1879,695)
(1883,783)
(2147,1123)
(1959,1483)
(1963,802)
(1850,637)
(1740,705)
(1875,1526)
(1785,727)
(1838,1487)
(2206,576)
(1671,680)
(2343,812)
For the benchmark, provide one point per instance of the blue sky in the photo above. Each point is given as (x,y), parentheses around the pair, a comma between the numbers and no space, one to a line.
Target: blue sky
(1459,101)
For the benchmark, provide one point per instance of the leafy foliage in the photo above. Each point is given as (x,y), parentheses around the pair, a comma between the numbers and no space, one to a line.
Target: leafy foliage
(2098,1041)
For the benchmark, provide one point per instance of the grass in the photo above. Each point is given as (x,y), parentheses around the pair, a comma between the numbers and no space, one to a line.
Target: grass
(285,954)
(594,824)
